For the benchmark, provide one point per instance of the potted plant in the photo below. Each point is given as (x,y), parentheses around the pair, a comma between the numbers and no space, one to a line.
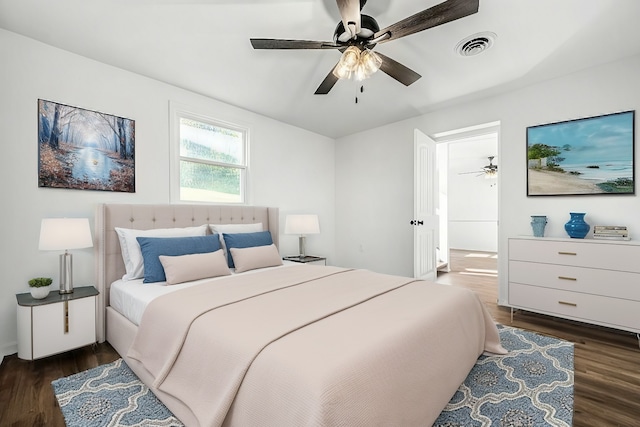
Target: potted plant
(39,287)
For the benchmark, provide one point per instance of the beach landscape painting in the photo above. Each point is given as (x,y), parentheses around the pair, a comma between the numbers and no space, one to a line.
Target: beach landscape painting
(593,155)
(84,149)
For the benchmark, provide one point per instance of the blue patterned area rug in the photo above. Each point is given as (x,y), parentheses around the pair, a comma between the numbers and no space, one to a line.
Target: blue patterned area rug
(530,386)
(110,395)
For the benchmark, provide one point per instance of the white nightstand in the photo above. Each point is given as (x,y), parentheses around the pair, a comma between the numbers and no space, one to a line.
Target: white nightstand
(309,259)
(56,323)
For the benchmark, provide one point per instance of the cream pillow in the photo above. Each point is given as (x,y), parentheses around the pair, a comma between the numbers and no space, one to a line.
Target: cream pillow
(131,254)
(185,268)
(255,257)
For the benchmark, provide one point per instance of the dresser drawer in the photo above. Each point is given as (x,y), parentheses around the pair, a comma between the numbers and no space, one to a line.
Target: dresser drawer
(616,284)
(613,312)
(618,256)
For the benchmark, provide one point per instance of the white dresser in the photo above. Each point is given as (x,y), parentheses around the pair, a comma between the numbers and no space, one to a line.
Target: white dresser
(586,280)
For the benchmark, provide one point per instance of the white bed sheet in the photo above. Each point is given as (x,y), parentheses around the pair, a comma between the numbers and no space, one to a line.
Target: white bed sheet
(131,297)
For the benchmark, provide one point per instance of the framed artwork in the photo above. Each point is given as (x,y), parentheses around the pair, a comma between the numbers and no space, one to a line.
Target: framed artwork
(84,149)
(589,156)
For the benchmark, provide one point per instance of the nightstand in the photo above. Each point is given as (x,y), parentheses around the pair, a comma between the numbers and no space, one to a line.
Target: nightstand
(57,323)
(306,259)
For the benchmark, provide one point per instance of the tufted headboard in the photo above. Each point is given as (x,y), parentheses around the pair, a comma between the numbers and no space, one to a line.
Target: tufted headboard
(109,264)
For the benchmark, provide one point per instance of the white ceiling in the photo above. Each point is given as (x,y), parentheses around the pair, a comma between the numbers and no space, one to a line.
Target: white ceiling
(203,46)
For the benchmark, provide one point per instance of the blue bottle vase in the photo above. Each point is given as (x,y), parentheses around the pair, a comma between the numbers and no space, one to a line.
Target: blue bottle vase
(577,228)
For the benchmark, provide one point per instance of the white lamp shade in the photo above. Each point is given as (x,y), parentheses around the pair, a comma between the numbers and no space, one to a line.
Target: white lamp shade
(302,224)
(64,233)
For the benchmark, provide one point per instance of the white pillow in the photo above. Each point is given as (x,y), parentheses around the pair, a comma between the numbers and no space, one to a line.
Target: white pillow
(131,254)
(255,257)
(185,268)
(233,229)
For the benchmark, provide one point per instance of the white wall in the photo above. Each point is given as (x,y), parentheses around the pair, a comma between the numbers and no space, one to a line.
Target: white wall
(289,167)
(374,198)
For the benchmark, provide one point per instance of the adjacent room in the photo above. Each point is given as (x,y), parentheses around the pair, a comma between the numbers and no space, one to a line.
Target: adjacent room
(402,213)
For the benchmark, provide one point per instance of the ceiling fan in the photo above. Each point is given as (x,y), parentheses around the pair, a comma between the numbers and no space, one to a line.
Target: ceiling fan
(357,34)
(489,171)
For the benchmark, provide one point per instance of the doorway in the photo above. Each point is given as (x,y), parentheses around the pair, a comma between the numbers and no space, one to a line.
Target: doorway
(467,191)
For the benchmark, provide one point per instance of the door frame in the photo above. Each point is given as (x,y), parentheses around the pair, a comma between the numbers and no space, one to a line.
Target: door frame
(463,133)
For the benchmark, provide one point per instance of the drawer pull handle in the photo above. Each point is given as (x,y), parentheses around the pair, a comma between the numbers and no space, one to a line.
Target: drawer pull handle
(66,317)
(568,303)
(567,278)
(566,253)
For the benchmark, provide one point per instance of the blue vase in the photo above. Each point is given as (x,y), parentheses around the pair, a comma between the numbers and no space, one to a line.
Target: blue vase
(538,222)
(577,228)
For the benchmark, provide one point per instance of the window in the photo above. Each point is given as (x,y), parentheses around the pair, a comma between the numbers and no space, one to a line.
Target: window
(211,160)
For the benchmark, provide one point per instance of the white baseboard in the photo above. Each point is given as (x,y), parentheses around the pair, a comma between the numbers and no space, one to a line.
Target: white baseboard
(8,349)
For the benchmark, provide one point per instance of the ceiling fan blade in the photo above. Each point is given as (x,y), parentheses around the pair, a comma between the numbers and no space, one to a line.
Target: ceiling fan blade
(350,13)
(292,44)
(393,68)
(328,83)
(439,14)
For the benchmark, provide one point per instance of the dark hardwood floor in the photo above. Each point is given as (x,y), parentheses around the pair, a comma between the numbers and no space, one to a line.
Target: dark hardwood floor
(607,362)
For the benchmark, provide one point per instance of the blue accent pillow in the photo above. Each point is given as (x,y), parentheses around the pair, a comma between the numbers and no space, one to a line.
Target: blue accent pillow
(245,240)
(153,247)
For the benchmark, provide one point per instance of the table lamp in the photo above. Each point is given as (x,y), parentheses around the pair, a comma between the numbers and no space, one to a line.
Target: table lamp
(63,234)
(302,225)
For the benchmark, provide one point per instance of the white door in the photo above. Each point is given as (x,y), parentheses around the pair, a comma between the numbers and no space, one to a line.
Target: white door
(425,220)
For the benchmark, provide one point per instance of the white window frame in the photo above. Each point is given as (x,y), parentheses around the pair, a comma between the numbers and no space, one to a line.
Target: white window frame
(177,112)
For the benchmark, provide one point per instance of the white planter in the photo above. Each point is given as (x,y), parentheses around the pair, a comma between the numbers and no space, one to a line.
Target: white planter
(40,293)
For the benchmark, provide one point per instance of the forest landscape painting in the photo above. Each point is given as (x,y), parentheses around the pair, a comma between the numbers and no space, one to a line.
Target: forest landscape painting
(84,149)
(593,155)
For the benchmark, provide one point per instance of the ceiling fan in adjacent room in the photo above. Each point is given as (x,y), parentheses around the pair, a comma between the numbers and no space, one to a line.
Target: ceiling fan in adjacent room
(489,171)
(357,34)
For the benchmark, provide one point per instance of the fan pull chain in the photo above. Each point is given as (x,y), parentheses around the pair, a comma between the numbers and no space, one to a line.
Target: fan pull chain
(361,91)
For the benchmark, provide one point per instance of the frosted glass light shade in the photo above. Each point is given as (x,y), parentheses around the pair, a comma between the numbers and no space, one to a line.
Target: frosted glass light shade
(302,224)
(64,233)
(370,61)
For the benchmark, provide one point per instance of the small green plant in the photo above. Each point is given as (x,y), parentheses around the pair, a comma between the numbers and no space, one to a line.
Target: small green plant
(39,282)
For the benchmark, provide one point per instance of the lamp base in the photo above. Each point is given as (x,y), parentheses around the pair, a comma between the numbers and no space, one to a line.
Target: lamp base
(303,251)
(66,273)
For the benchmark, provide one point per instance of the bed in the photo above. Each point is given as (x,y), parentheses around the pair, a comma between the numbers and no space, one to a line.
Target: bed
(290,345)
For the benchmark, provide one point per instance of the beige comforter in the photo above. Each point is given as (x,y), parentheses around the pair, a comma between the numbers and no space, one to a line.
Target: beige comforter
(313,346)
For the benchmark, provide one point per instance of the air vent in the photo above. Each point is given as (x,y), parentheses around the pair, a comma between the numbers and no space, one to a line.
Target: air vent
(475,44)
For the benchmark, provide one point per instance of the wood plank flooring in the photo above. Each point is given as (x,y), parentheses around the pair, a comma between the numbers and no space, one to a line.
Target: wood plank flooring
(607,362)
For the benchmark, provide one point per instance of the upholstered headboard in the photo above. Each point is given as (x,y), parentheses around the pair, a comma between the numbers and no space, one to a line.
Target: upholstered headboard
(109,264)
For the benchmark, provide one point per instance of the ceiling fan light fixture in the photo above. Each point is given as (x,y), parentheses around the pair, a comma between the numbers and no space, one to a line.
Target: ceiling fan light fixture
(491,174)
(360,64)
(362,31)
